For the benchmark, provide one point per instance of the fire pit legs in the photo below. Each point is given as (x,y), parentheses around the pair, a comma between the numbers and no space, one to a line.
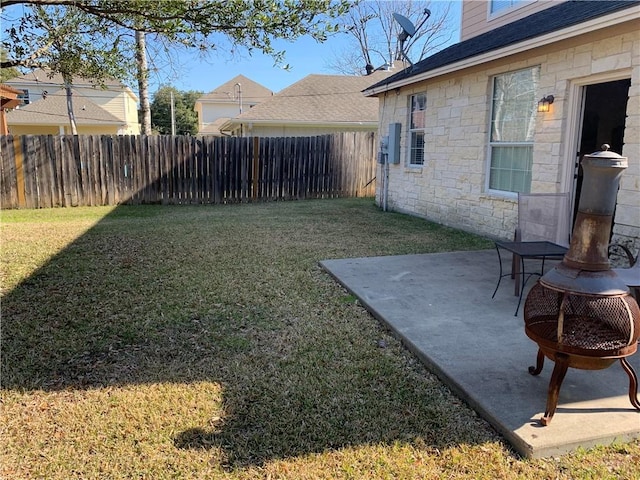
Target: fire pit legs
(539,364)
(633,383)
(562,363)
(559,371)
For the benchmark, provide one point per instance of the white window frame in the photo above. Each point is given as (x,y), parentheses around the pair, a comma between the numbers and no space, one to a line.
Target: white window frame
(523,145)
(414,132)
(511,6)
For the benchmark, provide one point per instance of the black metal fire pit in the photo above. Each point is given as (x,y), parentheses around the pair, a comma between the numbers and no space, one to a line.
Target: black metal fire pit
(580,314)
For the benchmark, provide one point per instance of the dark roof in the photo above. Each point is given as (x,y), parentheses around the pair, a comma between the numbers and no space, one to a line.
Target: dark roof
(554,18)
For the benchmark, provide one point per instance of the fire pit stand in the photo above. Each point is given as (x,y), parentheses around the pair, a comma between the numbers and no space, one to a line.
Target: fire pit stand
(579,313)
(562,364)
(578,341)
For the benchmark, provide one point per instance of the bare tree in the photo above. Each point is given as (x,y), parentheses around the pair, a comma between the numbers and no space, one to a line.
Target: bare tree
(374,34)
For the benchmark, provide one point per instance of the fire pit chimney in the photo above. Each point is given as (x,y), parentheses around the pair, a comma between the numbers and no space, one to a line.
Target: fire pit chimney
(579,313)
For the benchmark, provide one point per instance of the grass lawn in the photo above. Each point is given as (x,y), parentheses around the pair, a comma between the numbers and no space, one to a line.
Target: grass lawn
(206,342)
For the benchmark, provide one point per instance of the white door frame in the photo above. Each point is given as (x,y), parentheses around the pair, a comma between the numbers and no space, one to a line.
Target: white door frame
(575,118)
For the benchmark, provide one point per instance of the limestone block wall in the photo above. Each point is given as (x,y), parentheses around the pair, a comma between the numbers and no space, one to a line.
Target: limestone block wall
(627,216)
(451,188)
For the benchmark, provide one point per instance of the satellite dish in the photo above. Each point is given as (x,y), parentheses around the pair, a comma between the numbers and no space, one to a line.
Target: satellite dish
(408,30)
(406,24)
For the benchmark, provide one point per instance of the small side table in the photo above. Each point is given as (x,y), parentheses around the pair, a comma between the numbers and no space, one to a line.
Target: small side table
(522,250)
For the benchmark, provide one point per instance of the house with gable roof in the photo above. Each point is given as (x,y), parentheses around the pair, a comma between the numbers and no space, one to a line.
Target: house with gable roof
(112,110)
(315,105)
(228,100)
(531,88)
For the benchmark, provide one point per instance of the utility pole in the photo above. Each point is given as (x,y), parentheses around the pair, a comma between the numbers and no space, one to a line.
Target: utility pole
(239,102)
(239,96)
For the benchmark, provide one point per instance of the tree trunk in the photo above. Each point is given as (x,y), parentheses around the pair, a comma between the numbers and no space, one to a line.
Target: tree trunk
(72,117)
(143,82)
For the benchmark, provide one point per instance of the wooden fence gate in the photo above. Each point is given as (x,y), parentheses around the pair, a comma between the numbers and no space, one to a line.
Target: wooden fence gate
(41,171)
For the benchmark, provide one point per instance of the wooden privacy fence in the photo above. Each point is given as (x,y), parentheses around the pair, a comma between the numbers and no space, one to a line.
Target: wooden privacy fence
(40,171)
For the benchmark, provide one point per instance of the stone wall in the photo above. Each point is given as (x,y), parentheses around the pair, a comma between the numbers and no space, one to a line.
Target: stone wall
(450,188)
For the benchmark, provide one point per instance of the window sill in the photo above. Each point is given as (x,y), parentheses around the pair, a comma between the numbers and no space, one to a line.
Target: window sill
(501,194)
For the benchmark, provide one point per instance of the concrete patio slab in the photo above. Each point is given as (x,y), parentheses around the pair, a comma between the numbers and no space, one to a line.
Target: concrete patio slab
(440,305)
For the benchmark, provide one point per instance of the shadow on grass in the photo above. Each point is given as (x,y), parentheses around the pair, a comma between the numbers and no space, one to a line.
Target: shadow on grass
(233,295)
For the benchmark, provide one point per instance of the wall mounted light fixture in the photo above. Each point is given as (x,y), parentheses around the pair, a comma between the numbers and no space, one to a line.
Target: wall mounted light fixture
(543,104)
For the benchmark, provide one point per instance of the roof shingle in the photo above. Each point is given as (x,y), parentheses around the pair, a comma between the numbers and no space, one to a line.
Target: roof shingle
(53,111)
(252,92)
(319,99)
(44,77)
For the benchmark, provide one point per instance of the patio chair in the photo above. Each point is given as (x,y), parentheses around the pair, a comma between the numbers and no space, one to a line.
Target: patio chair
(630,275)
(542,217)
(542,232)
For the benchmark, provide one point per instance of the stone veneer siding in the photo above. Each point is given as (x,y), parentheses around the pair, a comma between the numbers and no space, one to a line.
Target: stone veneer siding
(451,186)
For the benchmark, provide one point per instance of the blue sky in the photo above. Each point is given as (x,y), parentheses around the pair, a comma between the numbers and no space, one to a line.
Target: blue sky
(305,56)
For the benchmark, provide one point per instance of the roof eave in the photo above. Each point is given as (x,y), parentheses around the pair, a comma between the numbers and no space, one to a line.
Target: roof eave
(131,94)
(611,20)
(55,124)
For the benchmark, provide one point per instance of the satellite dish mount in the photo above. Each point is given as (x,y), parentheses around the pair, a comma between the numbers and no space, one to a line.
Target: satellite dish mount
(408,31)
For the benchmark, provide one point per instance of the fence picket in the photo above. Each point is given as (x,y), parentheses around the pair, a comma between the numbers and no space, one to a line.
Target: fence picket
(8,189)
(51,171)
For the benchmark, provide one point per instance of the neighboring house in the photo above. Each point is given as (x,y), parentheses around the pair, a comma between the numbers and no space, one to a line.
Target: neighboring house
(315,105)
(112,110)
(49,116)
(471,135)
(228,100)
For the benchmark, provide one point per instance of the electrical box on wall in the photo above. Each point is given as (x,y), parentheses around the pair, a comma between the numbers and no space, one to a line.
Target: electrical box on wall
(384,150)
(394,143)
